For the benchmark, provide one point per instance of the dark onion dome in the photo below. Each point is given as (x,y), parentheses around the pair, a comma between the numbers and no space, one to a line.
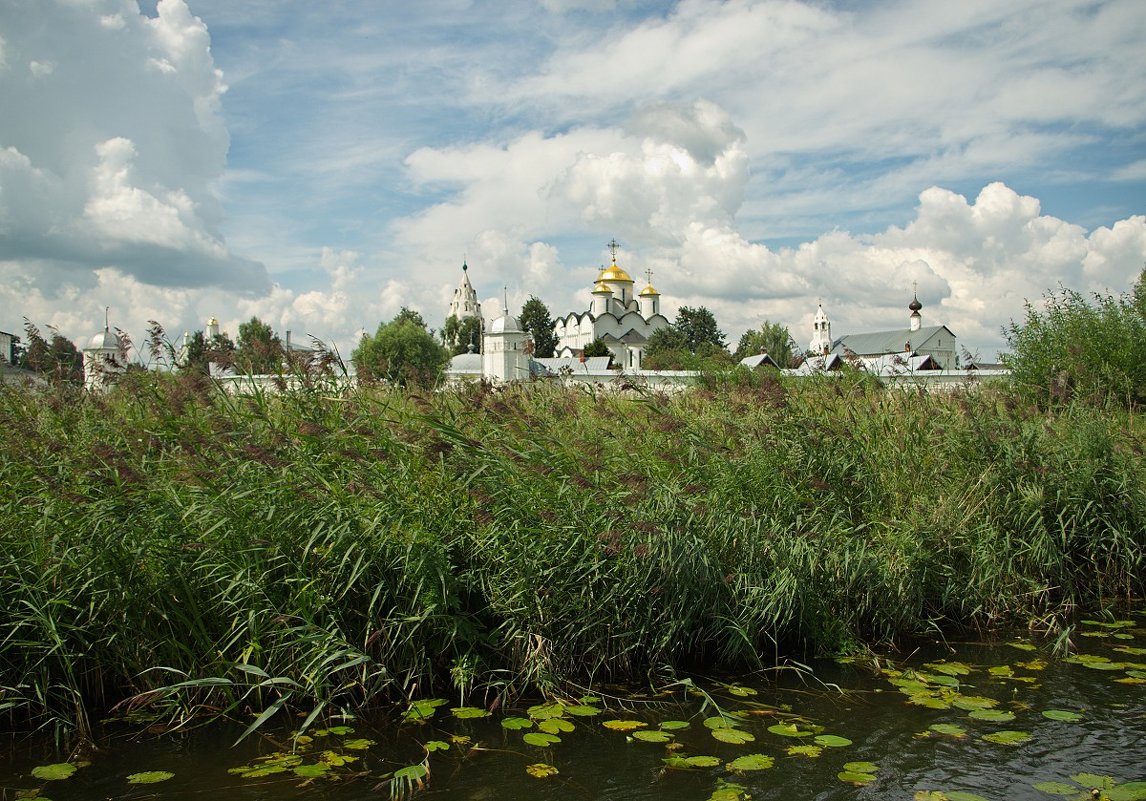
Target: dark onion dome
(915,305)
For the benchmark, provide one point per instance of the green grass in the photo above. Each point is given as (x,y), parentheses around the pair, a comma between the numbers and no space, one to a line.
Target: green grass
(170,549)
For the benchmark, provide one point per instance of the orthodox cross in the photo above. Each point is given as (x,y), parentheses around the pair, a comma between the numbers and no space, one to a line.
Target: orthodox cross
(613,249)
(649,276)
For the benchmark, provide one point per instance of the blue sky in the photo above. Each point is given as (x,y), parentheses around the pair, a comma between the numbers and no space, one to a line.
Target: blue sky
(321,165)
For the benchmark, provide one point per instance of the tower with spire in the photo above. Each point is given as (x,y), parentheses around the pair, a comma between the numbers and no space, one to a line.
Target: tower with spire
(105,356)
(915,321)
(465,301)
(821,343)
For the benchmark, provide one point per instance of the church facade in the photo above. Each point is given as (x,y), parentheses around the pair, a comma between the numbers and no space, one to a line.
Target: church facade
(937,342)
(617,316)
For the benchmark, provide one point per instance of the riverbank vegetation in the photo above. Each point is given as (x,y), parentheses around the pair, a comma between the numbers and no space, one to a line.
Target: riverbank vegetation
(174,550)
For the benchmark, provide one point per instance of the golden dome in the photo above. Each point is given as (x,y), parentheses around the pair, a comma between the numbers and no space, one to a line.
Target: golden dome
(601,286)
(614,273)
(649,291)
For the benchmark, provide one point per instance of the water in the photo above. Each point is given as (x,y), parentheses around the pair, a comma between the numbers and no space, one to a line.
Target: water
(868,705)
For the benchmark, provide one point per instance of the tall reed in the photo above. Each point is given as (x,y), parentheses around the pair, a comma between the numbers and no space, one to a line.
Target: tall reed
(171,549)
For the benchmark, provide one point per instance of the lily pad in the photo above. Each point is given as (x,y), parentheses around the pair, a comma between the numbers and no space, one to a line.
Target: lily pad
(1057,788)
(950,668)
(1007,737)
(861,767)
(949,729)
(733,736)
(691,762)
(432,745)
(516,724)
(1062,714)
(1130,791)
(540,739)
(540,770)
(854,777)
(555,726)
(992,715)
(150,777)
(1022,646)
(972,702)
(811,751)
(467,712)
(832,740)
(751,762)
(545,711)
(420,710)
(361,744)
(720,722)
(789,730)
(624,725)
(311,771)
(582,710)
(674,725)
(652,736)
(54,772)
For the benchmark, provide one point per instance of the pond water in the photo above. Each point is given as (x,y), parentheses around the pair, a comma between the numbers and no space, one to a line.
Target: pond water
(957,721)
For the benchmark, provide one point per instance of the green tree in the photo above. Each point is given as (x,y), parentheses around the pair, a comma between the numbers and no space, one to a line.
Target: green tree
(535,319)
(771,338)
(1078,347)
(698,326)
(201,352)
(57,359)
(597,348)
(259,348)
(402,352)
(458,335)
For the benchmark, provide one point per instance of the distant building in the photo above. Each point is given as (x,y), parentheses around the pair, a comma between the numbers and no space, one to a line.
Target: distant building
(8,343)
(105,357)
(936,341)
(620,319)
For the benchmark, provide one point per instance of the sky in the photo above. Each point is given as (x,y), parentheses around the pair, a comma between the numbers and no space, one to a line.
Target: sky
(321,165)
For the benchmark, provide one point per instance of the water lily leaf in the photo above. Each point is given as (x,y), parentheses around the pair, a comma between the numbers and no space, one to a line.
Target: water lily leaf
(860,767)
(1130,791)
(1092,781)
(342,731)
(411,773)
(720,722)
(54,772)
(972,702)
(733,736)
(467,712)
(515,724)
(546,711)
(257,772)
(811,751)
(992,715)
(692,762)
(1007,737)
(624,725)
(430,746)
(1057,788)
(727,791)
(949,729)
(311,771)
(583,710)
(423,710)
(950,668)
(674,725)
(460,739)
(1005,671)
(540,770)
(150,777)
(540,739)
(854,777)
(1062,714)
(360,744)
(943,681)
(1131,650)
(832,740)
(555,725)
(751,762)
(960,795)
(741,692)
(1022,646)
(1034,664)
(652,736)
(788,730)
(337,760)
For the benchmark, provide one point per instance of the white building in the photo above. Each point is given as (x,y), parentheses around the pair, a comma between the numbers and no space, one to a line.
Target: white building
(619,318)
(105,357)
(465,301)
(936,341)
